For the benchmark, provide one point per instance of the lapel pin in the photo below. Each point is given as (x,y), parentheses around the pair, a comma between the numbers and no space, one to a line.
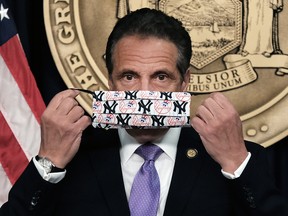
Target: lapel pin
(191,153)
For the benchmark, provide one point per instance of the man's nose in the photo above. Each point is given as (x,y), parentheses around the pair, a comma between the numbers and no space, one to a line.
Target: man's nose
(145,85)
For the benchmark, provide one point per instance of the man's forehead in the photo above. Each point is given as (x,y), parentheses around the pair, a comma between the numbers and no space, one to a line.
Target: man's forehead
(143,38)
(145,44)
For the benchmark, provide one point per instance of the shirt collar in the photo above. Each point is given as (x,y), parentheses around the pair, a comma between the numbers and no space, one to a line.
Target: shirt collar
(168,143)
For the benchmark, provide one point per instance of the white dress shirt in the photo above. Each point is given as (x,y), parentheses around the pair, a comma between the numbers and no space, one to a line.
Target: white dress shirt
(164,165)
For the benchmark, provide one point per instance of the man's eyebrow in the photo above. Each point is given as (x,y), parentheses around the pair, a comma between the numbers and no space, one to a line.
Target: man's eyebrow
(124,72)
(127,71)
(163,71)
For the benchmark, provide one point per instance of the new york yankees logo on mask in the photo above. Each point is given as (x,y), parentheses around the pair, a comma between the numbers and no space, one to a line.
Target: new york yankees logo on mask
(140,109)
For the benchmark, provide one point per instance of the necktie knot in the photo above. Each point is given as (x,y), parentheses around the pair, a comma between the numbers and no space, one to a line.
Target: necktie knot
(149,151)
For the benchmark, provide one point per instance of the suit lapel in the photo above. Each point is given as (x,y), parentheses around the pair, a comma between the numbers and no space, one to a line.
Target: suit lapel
(106,161)
(186,172)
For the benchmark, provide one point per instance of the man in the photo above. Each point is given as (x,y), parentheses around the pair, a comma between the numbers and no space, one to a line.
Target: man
(213,173)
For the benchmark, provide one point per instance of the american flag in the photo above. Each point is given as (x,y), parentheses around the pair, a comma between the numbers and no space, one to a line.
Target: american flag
(21,105)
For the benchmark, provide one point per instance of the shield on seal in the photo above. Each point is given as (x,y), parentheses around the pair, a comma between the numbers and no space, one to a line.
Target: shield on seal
(214,26)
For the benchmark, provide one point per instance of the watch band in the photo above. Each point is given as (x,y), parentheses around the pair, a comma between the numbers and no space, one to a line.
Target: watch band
(47,164)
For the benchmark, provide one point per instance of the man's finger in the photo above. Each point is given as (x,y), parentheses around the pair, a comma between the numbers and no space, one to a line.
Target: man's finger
(58,98)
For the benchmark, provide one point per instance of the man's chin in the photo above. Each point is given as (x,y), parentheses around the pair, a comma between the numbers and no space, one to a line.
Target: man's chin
(147,135)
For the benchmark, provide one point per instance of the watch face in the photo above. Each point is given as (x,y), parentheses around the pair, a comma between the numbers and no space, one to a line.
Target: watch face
(46,164)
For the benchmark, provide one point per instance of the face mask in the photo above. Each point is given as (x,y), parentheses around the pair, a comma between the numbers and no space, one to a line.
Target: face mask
(140,109)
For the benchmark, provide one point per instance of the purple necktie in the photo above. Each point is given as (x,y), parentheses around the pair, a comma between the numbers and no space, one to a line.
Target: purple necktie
(145,191)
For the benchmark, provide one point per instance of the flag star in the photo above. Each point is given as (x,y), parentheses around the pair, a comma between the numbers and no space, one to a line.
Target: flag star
(3,13)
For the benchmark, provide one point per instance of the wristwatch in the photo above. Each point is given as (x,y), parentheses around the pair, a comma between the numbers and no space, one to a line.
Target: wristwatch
(47,164)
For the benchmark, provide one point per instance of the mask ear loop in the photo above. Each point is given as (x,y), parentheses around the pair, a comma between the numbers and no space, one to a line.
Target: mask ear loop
(93,93)
(84,90)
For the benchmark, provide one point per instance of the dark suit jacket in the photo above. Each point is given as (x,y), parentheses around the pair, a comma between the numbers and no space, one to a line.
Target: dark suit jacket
(94,184)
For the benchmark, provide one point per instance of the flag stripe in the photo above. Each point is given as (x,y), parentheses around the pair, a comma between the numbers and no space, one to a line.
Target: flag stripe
(12,157)
(5,185)
(14,107)
(14,57)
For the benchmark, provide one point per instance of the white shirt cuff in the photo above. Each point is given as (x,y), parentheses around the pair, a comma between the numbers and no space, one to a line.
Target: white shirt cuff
(240,169)
(54,177)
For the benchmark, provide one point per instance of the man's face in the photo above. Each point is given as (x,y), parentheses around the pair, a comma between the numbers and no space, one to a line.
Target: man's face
(146,64)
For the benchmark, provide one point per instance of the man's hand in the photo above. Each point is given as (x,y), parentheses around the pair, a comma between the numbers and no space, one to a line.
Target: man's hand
(62,124)
(220,128)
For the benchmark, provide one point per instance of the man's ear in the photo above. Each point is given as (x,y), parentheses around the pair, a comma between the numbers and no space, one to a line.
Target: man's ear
(186,80)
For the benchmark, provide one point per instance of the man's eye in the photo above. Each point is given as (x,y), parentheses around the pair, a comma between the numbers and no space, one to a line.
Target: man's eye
(128,76)
(162,76)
